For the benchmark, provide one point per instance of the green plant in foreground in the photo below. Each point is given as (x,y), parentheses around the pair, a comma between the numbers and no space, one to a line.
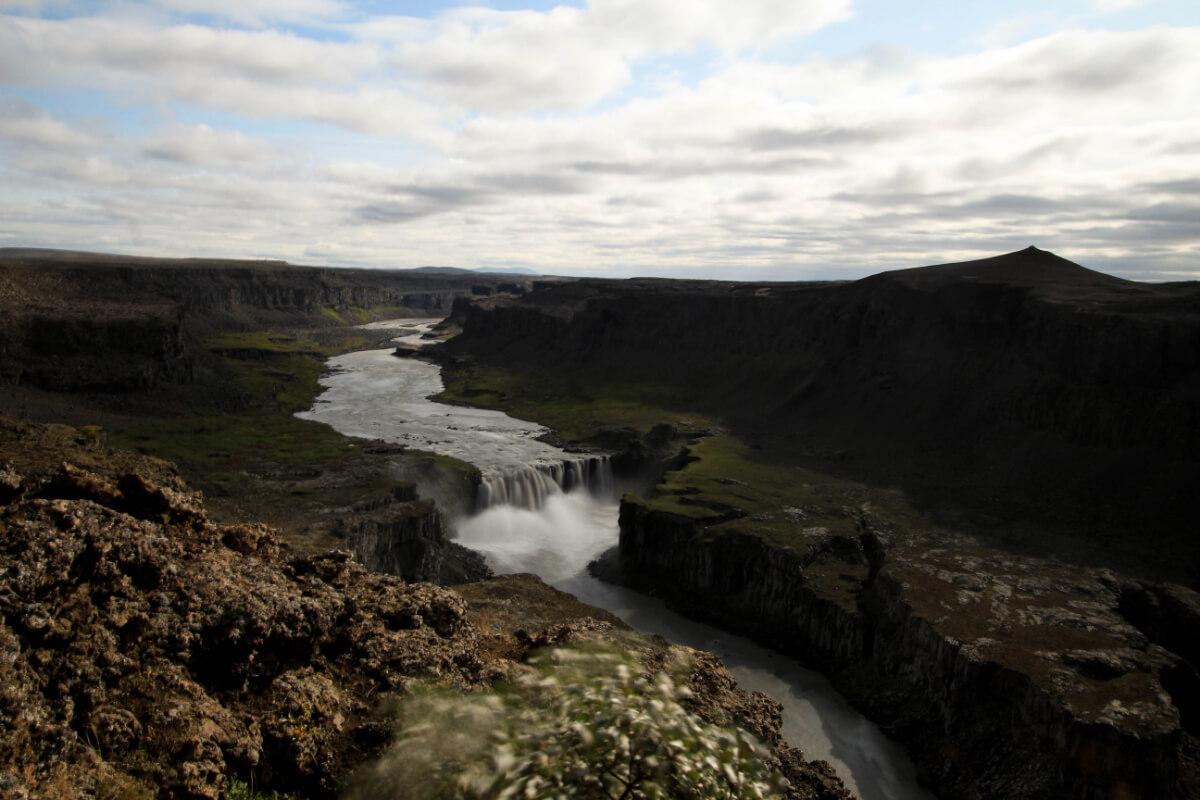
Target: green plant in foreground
(240,790)
(582,723)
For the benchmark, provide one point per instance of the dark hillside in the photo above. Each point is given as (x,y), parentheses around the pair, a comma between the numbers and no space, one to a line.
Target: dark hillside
(82,322)
(1016,389)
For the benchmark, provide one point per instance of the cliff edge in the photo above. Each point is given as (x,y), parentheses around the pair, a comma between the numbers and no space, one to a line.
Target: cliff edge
(147,652)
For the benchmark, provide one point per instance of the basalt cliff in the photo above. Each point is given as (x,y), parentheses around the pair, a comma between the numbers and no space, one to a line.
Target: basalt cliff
(995,555)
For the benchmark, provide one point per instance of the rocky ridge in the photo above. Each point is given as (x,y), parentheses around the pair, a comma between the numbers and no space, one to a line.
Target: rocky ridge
(145,318)
(146,651)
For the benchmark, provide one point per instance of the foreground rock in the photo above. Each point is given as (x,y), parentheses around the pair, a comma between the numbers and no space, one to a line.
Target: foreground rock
(145,651)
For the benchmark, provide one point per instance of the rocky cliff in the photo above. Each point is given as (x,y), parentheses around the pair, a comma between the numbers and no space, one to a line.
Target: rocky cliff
(147,652)
(87,322)
(1000,460)
(404,535)
(1006,676)
(1016,387)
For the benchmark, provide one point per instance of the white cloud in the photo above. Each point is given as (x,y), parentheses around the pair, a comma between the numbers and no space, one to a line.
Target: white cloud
(513,61)
(257,13)
(570,58)
(670,25)
(21,121)
(1106,6)
(1017,28)
(887,158)
(202,146)
(102,52)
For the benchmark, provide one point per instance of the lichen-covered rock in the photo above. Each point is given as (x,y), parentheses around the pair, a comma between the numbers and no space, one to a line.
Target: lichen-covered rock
(136,634)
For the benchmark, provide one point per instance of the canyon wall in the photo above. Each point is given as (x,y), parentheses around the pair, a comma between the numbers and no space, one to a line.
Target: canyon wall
(85,322)
(979,721)
(405,535)
(1015,635)
(1015,385)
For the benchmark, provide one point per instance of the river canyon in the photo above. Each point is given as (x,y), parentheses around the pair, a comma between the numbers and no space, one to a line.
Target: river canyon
(964,493)
(533,516)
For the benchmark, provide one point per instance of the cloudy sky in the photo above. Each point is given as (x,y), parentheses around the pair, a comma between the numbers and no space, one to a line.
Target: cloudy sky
(784,139)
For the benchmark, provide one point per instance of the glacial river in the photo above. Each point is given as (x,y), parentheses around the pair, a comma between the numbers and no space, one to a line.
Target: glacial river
(531,525)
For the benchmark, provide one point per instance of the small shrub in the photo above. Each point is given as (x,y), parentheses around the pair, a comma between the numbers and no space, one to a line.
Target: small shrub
(583,722)
(240,790)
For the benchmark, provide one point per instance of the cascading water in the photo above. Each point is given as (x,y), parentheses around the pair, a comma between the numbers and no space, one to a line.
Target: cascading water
(546,511)
(530,487)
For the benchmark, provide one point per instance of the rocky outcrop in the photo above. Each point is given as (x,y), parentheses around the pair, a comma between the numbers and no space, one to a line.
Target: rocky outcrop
(147,652)
(405,536)
(1005,676)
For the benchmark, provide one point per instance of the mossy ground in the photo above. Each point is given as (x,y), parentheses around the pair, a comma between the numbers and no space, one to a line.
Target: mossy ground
(277,375)
(582,412)
(262,460)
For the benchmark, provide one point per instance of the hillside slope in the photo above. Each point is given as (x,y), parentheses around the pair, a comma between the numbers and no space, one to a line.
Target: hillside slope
(1012,389)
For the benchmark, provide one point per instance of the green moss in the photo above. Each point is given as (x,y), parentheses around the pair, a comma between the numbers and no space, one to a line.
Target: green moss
(724,480)
(240,790)
(268,342)
(448,464)
(333,315)
(217,447)
(837,581)
(583,412)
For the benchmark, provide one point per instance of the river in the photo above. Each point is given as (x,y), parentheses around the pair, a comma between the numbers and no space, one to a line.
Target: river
(528,524)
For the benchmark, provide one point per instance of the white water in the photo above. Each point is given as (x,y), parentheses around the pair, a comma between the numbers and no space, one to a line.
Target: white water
(529,525)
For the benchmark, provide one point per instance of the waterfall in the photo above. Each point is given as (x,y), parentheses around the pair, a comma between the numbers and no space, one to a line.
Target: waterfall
(528,486)
(530,520)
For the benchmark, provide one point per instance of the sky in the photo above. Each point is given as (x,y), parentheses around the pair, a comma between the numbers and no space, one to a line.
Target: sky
(756,140)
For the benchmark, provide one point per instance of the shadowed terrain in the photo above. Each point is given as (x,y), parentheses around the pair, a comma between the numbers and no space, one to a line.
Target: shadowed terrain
(966,492)
(1012,391)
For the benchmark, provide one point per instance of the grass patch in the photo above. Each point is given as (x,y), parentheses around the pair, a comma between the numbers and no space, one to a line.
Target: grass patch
(269,342)
(581,412)
(277,373)
(773,501)
(240,790)
(218,447)
(448,464)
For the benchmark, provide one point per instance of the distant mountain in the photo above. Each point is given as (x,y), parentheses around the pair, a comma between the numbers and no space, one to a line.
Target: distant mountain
(507,271)
(481,271)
